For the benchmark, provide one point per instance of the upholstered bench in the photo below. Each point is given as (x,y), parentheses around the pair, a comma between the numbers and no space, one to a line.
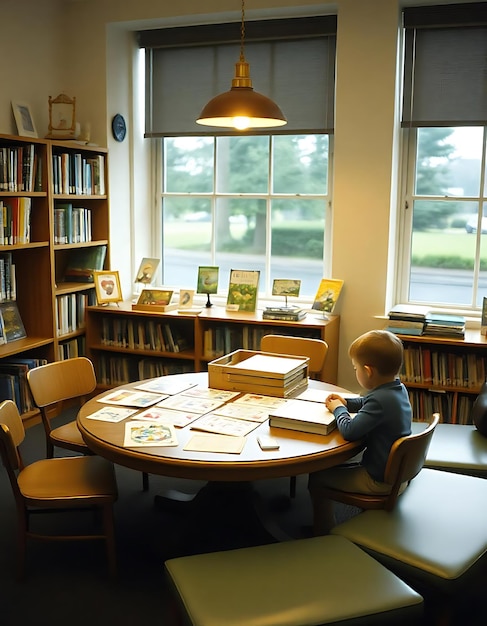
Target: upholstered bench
(305,582)
(436,536)
(456,448)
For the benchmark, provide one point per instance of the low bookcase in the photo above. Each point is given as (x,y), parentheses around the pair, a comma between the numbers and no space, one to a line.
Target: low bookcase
(127,345)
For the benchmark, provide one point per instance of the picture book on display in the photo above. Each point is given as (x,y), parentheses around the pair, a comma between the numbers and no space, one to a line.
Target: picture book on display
(327,295)
(304,416)
(242,290)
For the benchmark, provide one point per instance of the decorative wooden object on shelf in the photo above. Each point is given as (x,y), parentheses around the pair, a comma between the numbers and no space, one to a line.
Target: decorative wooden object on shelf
(50,174)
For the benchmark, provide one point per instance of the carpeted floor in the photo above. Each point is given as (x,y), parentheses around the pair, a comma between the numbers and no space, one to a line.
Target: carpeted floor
(67,584)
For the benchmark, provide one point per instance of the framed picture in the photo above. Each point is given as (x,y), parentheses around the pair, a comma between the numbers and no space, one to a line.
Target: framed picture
(107,286)
(146,271)
(207,279)
(159,297)
(286,287)
(24,119)
(186,298)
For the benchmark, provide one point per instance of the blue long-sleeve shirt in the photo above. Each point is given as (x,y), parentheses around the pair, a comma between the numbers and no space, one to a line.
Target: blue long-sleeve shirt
(382,416)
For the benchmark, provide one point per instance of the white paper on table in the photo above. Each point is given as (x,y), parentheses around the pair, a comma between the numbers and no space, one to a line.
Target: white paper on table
(206,442)
(219,424)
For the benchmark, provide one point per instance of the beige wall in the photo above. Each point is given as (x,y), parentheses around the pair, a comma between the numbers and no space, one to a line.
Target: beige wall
(84,47)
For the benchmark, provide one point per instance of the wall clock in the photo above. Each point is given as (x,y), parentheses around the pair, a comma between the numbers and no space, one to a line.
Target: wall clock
(119,128)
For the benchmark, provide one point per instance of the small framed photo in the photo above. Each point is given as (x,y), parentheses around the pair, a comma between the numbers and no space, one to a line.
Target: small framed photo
(158,297)
(186,298)
(146,271)
(107,286)
(286,287)
(207,279)
(24,119)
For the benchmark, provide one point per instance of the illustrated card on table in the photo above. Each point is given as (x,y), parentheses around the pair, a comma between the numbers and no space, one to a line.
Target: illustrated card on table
(127,397)
(112,414)
(139,433)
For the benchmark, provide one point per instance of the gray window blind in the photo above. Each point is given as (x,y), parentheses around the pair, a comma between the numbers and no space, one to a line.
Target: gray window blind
(445,71)
(291,61)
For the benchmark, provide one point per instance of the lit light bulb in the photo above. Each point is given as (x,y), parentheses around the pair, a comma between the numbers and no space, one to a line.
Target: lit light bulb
(241,123)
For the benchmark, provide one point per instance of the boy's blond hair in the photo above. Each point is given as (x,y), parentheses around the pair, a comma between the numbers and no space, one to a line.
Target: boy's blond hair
(380,349)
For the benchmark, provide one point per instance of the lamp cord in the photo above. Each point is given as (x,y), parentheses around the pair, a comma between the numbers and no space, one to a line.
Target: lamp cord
(242,33)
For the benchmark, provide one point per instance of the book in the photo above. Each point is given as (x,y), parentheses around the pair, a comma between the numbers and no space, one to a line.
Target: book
(243,288)
(83,262)
(155,300)
(12,322)
(404,330)
(411,312)
(304,416)
(483,319)
(284,317)
(327,295)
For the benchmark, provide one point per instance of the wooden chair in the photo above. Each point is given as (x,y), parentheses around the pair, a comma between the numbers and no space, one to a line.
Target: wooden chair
(55,383)
(405,461)
(55,485)
(314,349)
(293,583)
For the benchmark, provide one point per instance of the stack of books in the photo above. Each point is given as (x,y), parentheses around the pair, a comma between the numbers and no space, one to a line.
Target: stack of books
(444,325)
(405,319)
(283,313)
(304,416)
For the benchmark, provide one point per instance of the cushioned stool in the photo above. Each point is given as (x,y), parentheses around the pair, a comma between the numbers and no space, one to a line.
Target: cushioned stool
(456,448)
(436,536)
(306,582)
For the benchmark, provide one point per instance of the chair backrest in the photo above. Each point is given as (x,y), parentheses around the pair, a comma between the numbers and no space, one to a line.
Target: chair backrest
(314,349)
(407,457)
(61,380)
(12,433)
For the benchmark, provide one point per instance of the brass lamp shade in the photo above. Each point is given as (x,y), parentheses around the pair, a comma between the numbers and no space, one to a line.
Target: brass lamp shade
(241,107)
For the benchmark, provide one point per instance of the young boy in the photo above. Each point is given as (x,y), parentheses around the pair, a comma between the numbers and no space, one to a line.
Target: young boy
(383,415)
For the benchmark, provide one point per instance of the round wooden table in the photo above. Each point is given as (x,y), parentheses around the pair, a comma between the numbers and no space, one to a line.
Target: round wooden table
(299,453)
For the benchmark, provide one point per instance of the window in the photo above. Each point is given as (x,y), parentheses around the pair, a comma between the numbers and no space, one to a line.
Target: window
(241,201)
(246,202)
(445,212)
(443,219)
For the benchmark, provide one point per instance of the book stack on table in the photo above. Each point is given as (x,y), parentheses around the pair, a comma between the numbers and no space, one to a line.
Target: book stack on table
(283,313)
(307,417)
(443,325)
(259,372)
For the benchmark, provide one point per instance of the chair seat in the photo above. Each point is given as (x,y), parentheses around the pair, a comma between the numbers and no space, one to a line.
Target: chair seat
(436,533)
(79,477)
(456,448)
(295,583)
(68,436)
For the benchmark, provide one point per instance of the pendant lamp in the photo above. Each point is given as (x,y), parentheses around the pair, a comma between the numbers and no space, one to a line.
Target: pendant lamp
(241,107)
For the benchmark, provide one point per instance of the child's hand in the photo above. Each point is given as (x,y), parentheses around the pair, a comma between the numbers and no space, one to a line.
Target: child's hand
(333,401)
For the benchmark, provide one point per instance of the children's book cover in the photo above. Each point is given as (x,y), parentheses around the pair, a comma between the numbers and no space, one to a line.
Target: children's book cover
(242,290)
(327,294)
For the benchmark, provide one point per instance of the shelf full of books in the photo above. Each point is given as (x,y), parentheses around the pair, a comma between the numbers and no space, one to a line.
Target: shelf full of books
(444,374)
(43,320)
(183,342)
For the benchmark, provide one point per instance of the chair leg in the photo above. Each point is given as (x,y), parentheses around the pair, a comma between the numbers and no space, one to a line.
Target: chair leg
(145,481)
(109,529)
(292,486)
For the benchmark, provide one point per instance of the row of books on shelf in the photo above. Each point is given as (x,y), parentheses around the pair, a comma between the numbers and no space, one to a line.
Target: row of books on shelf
(453,409)
(146,334)
(15,218)
(70,311)
(74,173)
(19,167)
(417,320)
(13,381)
(71,224)
(442,368)
(114,370)
(220,340)
(71,348)
(8,289)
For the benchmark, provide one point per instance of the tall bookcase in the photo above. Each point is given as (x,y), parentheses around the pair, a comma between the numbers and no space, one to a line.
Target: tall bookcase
(444,374)
(31,170)
(127,345)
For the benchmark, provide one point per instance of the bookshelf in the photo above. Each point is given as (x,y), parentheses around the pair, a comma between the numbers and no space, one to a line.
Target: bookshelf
(444,374)
(29,196)
(126,345)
